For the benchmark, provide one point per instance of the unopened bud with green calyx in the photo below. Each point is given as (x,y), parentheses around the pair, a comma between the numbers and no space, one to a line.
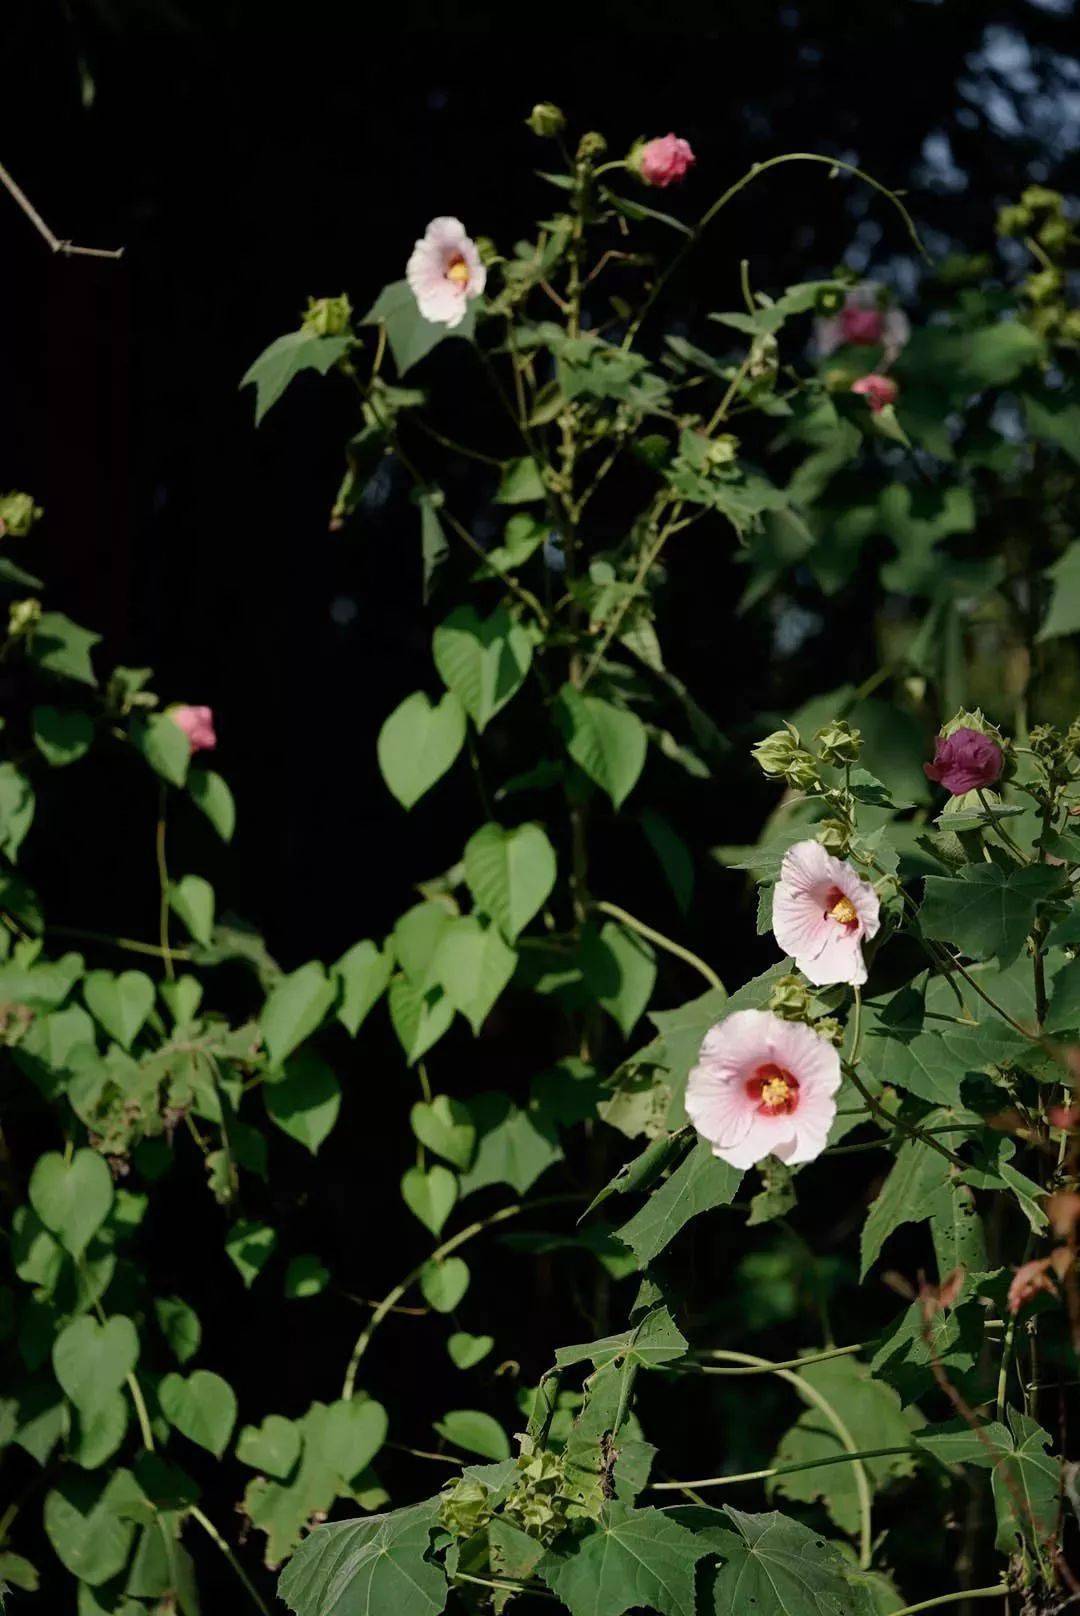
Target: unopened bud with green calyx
(591,146)
(18,513)
(834,836)
(830,1029)
(546,120)
(838,743)
(790,998)
(776,751)
(464,1507)
(1047,742)
(722,450)
(802,772)
(328,316)
(23,616)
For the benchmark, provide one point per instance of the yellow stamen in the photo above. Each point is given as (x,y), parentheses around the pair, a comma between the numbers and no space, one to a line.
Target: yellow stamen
(843,910)
(775,1093)
(458,271)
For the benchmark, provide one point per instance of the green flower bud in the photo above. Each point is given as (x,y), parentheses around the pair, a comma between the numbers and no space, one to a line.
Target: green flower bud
(328,316)
(23,616)
(1013,220)
(18,513)
(1054,236)
(723,450)
(590,147)
(830,300)
(464,1507)
(790,998)
(830,1029)
(838,743)
(546,120)
(1044,285)
(776,751)
(834,836)
(802,772)
(1046,742)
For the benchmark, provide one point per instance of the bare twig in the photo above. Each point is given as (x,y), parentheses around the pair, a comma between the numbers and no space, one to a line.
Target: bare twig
(66,249)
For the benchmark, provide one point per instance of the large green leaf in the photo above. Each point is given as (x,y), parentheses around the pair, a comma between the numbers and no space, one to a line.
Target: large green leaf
(285,358)
(120,1003)
(61,737)
(72,1198)
(513,1145)
(634,1559)
(1027,1487)
(473,964)
(61,646)
(418,743)
(91,1360)
(607,743)
(410,336)
(988,911)
(620,973)
(774,1566)
(872,1414)
(363,973)
(510,873)
(656,1340)
(202,1406)
(419,1017)
(211,793)
(907,1195)
(483,660)
(701,1183)
(88,1526)
(163,744)
(359,1568)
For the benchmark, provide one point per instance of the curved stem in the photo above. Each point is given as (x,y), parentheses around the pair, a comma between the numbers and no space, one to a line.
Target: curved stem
(660,940)
(215,1537)
(763,1367)
(962,1594)
(733,190)
(999,827)
(779,1470)
(852,1455)
(392,1297)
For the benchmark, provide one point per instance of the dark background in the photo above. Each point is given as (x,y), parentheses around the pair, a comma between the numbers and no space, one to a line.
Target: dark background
(246,155)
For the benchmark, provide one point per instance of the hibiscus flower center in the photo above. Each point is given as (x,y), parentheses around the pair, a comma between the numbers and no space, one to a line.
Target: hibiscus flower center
(775,1090)
(457,270)
(840,908)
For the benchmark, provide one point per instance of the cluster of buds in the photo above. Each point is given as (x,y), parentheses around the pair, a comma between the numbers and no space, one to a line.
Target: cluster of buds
(792,999)
(1040,220)
(537,1502)
(18,514)
(782,755)
(464,1507)
(838,744)
(327,316)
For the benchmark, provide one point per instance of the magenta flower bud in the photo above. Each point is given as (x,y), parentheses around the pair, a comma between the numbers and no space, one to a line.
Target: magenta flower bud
(877,390)
(664,161)
(860,326)
(197,724)
(966,760)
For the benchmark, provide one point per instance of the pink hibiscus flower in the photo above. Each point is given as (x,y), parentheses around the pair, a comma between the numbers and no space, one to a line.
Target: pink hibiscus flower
(197,724)
(445,272)
(877,390)
(664,161)
(967,760)
(821,912)
(864,323)
(763,1087)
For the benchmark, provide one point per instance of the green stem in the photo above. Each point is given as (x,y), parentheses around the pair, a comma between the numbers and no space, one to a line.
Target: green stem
(767,1368)
(392,1297)
(215,1537)
(853,1458)
(141,1413)
(961,1595)
(1000,828)
(163,884)
(912,1129)
(129,943)
(660,940)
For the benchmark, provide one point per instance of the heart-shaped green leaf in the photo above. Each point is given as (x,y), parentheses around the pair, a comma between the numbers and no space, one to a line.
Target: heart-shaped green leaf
(294,1008)
(164,745)
(350,1436)
(473,964)
(444,1283)
(430,1195)
(607,743)
(201,1406)
(192,901)
(61,737)
(183,998)
(86,1526)
(72,1198)
(180,1326)
(482,660)
(273,1446)
(510,873)
(419,1018)
(306,1102)
(363,973)
(210,793)
(91,1360)
(120,1003)
(467,1350)
(418,743)
(474,1431)
(96,1433)
(305,1276)
(250,1245)
(446,1127)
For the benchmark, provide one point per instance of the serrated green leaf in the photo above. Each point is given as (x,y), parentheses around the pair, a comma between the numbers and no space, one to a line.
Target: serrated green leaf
(701,1183)
(378,1564)
(285,358)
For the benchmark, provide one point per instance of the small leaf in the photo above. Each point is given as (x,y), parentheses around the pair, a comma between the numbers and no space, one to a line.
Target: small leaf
(201,1406)
(60,646)
(473,964)
(72,1198)
(249,1246)
(466,1350)
(91,1360)
(410,336)
(520,482)
(305,1276)
(163,744)
(120,1003)
(363,973)
(209,792)
(475,1431)
(61,737)
(192,901)
(446,1127)
(430,1195)
(484,661)
(419,1018)
(294,1008)
(273,1446)
(418,743)
(180,1326)
(306,1101)
(444,1283)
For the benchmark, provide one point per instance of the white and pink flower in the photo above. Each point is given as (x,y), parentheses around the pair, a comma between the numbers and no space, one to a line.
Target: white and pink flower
(864,322)
(822,910)
(197,724)
(445,272)
(763,1087)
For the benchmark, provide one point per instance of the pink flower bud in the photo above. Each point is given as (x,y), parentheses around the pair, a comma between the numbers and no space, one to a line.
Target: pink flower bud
(664,161)
(197,724)
(877,391)
(860,326)
(966,760)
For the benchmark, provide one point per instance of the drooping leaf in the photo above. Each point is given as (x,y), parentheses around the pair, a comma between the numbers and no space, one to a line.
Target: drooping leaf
(430,1195)
(120,1003)
(701,1183)
(86,1525)
(363,973)
(249,1246)
(513,1145)
(473,964)
(72,1198)
(61,737)
(192,901)
(446,1127)
(60,646)
(620,973)
(443,1283)
(410,336)
(163,744)
(306,1101)
(475,1431)
(91,1360)
(419,1017)
(180,1326)
(606,742)
(209,792)
(273,1446)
